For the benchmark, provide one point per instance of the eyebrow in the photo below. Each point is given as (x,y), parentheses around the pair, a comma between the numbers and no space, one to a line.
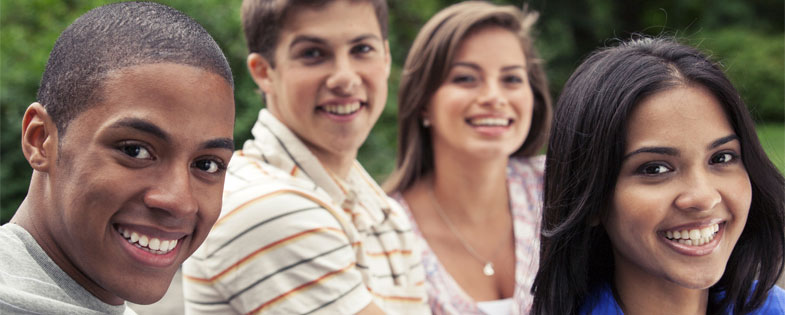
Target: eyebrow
(675,152)
(322,41)
(151,129)
(221,143)
(143,126)
(476,67)
(723,140)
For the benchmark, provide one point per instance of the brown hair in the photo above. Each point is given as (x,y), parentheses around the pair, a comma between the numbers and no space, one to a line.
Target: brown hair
(428,65)
(263,20)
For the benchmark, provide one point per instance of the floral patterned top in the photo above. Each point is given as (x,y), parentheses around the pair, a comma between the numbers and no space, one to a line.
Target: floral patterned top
(525,186)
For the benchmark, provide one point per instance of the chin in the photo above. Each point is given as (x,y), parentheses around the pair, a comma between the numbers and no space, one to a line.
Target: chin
(146,295)
(698,281)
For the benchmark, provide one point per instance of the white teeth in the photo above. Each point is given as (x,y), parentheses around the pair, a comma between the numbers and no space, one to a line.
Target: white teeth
(154,244)
(694,237)
(150,244)
(343,109)
(490,121)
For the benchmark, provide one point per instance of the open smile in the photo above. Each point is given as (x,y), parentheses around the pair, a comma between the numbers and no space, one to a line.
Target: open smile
(150,244)
(697,241)
(343,109)
(489,122)
(152,248)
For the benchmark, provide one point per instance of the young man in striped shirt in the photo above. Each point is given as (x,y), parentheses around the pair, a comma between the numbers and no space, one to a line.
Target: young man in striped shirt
(304,229)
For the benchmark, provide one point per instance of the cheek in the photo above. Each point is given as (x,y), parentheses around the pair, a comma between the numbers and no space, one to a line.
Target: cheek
(636,210)
(738,193)
(210,203)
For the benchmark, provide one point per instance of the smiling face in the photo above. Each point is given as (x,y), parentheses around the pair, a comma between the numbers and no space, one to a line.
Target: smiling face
(329,83)
(484,106)
(147,160)
(682,197)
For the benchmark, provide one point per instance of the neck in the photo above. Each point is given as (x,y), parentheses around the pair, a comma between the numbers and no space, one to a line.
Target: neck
(641,296)
(462,186)
(338,163)
(34,214)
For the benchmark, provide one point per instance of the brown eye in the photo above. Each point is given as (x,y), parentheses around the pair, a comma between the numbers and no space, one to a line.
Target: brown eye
(653,169)
(312,53)
(722,157)
(136,151)
(209,166)
(361,49)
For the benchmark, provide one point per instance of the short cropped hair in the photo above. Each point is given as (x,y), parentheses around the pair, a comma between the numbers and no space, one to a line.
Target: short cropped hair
(428,65)
(264,19)
(584,157)
(116,36)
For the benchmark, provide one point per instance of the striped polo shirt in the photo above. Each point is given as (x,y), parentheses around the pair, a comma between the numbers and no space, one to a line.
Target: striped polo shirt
(293,238)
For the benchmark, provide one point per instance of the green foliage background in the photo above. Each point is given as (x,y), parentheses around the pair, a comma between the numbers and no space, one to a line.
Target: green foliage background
(746,36)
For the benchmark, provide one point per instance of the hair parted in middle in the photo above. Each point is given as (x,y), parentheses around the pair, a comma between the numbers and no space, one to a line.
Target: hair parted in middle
(428,65)
(264,19)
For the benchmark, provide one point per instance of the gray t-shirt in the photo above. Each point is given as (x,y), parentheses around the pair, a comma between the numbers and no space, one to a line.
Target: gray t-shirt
(31,283)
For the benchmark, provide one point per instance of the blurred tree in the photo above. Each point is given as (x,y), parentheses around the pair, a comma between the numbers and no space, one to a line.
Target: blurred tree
(746,36)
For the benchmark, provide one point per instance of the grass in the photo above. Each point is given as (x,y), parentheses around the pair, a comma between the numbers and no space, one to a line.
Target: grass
(772,137)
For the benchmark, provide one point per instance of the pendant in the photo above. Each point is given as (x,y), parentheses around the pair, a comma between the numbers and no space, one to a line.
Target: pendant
(488,269)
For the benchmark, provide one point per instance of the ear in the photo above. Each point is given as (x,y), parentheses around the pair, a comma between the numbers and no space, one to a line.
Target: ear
(39,138)
(261,72)
(387,59)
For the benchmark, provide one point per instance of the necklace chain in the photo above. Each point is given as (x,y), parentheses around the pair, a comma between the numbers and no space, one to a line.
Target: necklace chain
(488,265)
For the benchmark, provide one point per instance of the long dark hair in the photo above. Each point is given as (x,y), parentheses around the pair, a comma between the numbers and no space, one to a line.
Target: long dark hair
(584,157)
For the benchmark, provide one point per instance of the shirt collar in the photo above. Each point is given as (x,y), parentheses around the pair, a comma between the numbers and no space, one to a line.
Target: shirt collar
(277,145)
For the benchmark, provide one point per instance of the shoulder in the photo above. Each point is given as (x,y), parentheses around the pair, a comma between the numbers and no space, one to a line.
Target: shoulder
(271,241)
(775,302)
(16,258)
(600,301)
(276,211)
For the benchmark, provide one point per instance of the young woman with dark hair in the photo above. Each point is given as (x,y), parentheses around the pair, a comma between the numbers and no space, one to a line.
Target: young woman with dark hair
(658,195)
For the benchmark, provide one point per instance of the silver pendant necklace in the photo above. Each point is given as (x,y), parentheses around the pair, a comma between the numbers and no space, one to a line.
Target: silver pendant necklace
(487,269)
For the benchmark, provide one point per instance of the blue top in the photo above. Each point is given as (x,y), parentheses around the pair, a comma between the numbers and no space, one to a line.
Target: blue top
(601,301)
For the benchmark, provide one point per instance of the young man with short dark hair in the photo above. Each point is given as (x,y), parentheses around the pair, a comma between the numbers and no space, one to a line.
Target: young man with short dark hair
(128,142)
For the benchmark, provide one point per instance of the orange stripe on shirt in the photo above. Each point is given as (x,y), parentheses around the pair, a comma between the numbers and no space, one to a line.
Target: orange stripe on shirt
(273,194)
(301,287)
(397,297)
(388,253)
(246,259)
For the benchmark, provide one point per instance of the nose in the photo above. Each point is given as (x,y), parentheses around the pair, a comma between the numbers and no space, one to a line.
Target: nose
(344,78)
(699,193)
(173,193)
(492,95)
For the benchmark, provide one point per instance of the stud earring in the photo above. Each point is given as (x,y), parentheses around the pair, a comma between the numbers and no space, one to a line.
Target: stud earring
(426,123)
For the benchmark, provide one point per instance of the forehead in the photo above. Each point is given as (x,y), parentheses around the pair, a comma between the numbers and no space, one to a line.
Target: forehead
(332,17)
(683,114)
(491,44)
(182,98)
